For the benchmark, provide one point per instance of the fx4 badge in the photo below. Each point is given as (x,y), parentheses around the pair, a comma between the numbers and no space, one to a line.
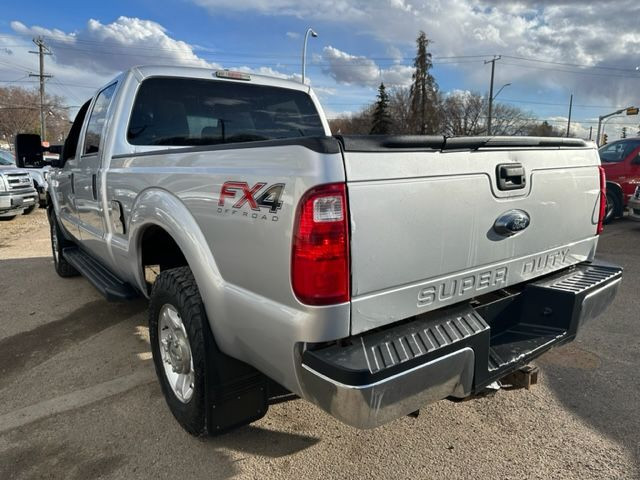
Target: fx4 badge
(257,197)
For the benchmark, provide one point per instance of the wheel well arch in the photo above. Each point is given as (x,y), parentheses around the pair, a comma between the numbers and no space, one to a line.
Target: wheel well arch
(158,249)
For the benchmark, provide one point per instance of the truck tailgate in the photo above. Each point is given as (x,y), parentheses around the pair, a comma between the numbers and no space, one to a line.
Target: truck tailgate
(423,210)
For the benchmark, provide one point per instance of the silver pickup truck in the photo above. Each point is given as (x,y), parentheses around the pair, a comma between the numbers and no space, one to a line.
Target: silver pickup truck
(17,190)
(368,275)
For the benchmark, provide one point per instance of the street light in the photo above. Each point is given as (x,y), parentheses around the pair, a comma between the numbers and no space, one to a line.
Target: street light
(304,48)
(496,95)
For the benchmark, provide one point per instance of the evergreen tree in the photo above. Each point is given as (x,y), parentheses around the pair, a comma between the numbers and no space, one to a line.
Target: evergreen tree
(624,132)
(424,91)
(381,121)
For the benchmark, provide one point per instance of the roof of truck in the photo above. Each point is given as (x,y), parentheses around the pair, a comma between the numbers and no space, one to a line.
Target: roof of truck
(145,71)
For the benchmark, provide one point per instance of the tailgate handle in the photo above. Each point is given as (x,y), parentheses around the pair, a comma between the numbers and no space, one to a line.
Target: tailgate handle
(511,176)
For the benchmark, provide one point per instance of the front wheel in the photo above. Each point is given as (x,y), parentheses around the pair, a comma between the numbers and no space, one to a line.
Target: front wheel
(176,321)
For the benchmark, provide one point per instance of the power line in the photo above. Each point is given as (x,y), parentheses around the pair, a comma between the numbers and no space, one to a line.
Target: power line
(550,62)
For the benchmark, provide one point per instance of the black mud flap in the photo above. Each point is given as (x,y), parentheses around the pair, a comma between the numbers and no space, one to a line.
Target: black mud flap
(236,394)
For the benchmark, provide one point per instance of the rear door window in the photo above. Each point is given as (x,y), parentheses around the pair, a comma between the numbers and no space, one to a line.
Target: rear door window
(614,152)
(97,119)
(185,111)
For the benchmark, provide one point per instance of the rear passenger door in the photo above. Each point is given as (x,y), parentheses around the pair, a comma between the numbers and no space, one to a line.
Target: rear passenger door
(87,179)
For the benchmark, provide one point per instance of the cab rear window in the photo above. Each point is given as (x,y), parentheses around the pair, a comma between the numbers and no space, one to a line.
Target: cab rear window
(185,111)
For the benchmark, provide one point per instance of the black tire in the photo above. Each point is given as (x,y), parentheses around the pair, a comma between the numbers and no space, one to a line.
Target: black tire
(177,287)
(58,243)
(28,210)
(7,219)
(612,207)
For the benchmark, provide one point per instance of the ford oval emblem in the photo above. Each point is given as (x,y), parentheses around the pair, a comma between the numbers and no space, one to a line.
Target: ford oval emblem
(511,222)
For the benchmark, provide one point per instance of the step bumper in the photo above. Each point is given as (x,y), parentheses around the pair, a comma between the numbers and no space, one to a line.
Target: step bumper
(373,378)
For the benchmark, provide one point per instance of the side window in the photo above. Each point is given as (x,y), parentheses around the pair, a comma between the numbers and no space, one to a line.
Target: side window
(71,142)
(96,120)
(631,146)
(614,152)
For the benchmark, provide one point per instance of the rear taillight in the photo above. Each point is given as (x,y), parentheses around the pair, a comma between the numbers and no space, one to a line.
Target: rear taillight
(603,201)
(320,257)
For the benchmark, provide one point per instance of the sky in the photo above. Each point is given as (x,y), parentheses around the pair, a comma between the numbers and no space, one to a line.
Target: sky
(549,49)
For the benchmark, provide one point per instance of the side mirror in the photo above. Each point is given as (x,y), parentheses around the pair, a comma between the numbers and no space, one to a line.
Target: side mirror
(29,151)
(636,160)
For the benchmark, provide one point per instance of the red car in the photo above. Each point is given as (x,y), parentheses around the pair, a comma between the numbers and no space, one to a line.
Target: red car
(621,163)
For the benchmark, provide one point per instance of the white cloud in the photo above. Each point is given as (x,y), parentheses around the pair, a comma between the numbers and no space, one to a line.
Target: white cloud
(86,59)
(566,31)
(109,48)
(358,70)
(293,35)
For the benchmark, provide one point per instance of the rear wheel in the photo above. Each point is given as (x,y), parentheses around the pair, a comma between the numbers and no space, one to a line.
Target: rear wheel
(612,207)
(176,321)
(58,243)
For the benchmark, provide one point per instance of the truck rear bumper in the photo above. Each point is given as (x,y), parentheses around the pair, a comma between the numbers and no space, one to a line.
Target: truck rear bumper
(373,378)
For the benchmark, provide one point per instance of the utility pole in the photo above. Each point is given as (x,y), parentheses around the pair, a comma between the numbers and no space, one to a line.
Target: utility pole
(569,120)
(493,68)
(42,51)
(590,131)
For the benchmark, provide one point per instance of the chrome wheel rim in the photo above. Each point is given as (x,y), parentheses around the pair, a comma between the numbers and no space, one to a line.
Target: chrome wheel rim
(175,353)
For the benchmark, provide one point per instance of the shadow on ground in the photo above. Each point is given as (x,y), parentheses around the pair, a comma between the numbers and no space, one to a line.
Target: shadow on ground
(596,376)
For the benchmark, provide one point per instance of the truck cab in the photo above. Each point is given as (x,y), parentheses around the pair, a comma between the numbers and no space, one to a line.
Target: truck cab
(621,163)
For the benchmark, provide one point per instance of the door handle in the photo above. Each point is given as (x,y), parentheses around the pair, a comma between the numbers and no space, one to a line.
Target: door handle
(511,176)
(73,187)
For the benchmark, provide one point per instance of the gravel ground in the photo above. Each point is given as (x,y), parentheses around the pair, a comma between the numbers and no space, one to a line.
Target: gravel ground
(78,398)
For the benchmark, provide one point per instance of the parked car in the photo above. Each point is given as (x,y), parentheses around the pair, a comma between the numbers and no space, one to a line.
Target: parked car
(278,258)
(621,162)
(17,192)
(634,205)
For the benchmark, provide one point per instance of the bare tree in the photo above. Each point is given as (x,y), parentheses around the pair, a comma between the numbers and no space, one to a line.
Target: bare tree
(509,120)
(400,110)
(353,124)
(462,114)
(20,113)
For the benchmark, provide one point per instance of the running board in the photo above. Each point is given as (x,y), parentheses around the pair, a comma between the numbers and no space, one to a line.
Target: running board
(99,276)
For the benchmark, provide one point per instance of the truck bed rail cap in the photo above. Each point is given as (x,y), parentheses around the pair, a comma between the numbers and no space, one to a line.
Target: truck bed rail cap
(473,143)
(381,143)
